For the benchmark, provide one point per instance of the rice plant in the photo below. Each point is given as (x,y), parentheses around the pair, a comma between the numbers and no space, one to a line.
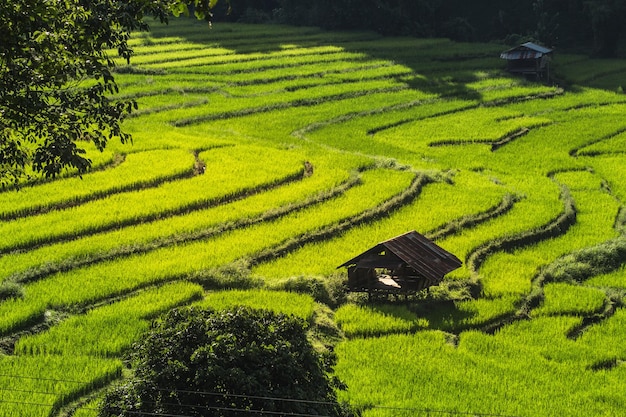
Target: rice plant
(562,298)
(615,279)
(330,176)
(364,321)
(108,279)
(424,215)
(283,302)
(109,330)
(227,174)
(137,170)
(595,213)
(40,385)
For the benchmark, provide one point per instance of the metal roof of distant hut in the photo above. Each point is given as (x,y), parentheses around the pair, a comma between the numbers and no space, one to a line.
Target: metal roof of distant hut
(426,262)
(528,59)
(526,50)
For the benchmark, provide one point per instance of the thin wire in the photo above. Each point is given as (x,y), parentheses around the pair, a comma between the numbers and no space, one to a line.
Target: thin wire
(330,403)
(169,390)
(28,391)
(146,413)
(256,397)
(25,403)
(252,411)
(210,407)
(430,410)
(408,409)
(205,407)
(215,407)
(266,412)
(73,381)
(95,409)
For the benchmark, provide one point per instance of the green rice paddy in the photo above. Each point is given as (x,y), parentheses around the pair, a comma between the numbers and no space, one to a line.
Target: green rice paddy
(265,156)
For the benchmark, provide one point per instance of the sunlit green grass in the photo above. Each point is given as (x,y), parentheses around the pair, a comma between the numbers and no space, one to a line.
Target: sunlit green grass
(561,298)
(363,321)
(33,386)
(513,272)
(612,169)
(299,305)
(423,215)
(112,278)
(227,173)
(137,170)
(110,330)
(616,279)
(429,372)
(331,171)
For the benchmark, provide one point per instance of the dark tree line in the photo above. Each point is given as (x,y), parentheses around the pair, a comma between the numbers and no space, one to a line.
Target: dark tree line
(597,24)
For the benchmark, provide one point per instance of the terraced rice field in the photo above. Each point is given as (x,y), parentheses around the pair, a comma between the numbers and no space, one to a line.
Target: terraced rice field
(265,156)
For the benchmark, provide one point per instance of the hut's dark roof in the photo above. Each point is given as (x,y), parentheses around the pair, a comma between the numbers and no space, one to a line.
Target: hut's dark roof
(526,50)
(425,257)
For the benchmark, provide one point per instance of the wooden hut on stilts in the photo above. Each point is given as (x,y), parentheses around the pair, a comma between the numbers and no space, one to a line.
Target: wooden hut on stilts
(405,264)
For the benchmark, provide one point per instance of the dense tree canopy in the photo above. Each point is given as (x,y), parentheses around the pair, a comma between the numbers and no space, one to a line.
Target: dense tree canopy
(198,362)
(56,75)
(556,23)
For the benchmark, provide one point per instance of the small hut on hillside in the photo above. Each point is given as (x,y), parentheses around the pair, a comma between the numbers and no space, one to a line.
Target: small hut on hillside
(404,264)
(529,59)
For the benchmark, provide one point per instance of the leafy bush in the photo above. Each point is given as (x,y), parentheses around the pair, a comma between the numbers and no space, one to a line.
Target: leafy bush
(198,362)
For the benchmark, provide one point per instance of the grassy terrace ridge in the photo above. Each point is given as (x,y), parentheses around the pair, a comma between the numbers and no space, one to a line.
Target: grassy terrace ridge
(263,156)
(132,171)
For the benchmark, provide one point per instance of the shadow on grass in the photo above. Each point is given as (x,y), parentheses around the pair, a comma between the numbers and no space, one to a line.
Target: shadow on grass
(447,67)
(444,316)
(434,315)
(439,66)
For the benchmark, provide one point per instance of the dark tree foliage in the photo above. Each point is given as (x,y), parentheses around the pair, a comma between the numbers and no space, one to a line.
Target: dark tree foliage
(547,23)
(607,22)
(243,10)
(389,17)
(555,23)
(56,77)
(197,362)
